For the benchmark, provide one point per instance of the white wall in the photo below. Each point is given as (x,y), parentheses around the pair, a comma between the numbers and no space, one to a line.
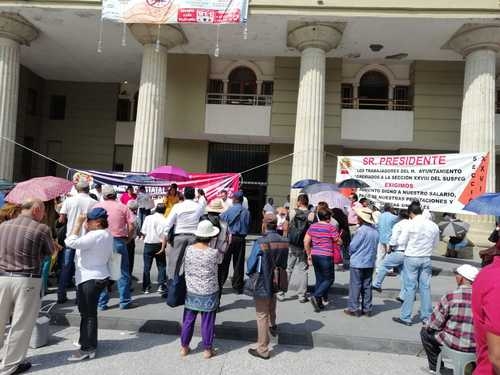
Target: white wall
(238,120)
(377,125)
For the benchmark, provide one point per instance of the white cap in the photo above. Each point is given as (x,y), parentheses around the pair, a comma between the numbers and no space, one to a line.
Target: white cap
(108,190)
(467,271)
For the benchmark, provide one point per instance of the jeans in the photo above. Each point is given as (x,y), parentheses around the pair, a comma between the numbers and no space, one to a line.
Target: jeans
(236,251)
(143,212)
(325,275)
(67,270)
(131,256)
(297,262)
(394,259)
(150,249)
(360,285)
(120,247)
(88,296)
(417,271)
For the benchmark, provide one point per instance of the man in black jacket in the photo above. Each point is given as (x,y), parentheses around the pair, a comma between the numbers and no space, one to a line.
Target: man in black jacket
(267,262)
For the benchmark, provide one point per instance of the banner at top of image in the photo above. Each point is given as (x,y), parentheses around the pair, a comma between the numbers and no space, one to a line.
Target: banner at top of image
(441,182)
(176,11)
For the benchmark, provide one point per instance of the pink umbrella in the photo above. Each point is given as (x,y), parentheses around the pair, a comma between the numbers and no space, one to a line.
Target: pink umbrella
(169,173)
(44,188)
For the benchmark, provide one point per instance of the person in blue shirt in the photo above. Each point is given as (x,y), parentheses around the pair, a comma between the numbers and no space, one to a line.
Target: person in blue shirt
(238,219)
(385,223)
(363,250)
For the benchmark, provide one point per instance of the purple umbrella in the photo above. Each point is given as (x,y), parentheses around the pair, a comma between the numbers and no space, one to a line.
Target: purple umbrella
(169,173)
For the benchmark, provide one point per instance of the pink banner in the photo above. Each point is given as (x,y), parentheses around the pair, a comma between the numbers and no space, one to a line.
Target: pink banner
(213,183)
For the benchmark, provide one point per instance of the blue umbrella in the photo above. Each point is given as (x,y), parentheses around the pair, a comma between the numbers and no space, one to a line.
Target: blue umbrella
(486,204)
(319,187)
(139,179)
(303,183)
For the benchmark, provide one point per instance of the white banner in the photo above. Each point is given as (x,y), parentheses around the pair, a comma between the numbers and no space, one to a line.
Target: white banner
(176,11)
(441,182)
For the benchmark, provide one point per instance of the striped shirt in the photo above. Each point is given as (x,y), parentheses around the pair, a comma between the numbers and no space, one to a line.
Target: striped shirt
(24,243)
(452,318)
(324,238)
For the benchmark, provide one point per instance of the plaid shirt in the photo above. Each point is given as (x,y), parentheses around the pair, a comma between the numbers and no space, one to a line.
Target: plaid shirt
(452,318)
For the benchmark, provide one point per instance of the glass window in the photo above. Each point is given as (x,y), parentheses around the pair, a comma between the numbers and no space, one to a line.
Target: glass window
(347,95)
(123,110)
(373,90)
(267,88)
(57,107)
(242,80)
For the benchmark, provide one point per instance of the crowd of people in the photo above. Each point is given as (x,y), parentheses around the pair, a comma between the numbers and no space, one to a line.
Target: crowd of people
(193,242)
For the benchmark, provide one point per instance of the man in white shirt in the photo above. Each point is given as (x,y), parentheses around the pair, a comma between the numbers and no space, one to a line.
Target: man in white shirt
(184,218)
(153,229)
(396,255)
(269,207)
(422,237)
(226,202)
(72,207)
(145,202)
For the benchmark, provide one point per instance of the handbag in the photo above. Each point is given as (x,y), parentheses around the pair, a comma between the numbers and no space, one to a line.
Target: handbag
(493,236)
(177,291)
(115,266)
(337,256)
(251,282)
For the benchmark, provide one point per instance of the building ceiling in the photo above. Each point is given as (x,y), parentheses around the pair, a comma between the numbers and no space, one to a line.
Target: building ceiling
(67,46)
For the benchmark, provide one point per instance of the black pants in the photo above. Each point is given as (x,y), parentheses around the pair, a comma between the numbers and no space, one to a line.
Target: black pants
(131,255)
(150,249)
(431,346)
(236,251)
(88,295)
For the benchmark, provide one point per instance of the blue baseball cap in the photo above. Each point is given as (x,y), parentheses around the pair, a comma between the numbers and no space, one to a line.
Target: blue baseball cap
(238,195)
(97,213)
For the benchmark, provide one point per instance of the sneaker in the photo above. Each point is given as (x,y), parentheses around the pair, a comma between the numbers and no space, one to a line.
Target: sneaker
(273,330)
(80,355)
(324,301)
(131,305)
(280,296)
(401,321)
(315,304)
(22,367)
(256,354)
(377,289)
(77,344)
(161,289)
(303,299)
(147,291)
(351,313)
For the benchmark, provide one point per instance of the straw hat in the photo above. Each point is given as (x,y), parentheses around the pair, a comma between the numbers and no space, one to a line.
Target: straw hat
(365,214)
(206,229)
(215,206)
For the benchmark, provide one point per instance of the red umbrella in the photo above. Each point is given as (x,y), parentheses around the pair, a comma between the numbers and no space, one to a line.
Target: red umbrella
(169,173)
(44,188)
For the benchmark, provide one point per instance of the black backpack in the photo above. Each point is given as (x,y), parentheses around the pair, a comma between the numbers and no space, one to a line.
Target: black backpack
(298,228)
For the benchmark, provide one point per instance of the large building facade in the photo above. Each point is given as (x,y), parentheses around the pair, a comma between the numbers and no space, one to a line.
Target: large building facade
(308,81)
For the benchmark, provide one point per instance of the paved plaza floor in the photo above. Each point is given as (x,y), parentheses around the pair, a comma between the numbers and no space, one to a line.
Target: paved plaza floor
(137,353)
(298,324)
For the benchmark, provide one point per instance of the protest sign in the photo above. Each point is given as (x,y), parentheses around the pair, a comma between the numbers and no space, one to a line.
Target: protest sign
(441,182)
(176,11)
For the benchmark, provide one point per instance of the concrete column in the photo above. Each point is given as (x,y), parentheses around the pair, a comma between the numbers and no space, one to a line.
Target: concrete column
(355,93)
(14,31)
(391,97)
(313,40)
(479,45)
(151,123)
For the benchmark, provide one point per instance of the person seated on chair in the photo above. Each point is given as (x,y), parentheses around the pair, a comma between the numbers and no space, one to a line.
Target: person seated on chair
(451,321)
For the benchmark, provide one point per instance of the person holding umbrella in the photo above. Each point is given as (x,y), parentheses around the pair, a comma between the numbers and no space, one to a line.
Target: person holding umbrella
(456,230)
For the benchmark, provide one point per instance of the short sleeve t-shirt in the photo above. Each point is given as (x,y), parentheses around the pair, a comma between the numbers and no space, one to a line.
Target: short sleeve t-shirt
(324,238)
(72,207)
(486,313)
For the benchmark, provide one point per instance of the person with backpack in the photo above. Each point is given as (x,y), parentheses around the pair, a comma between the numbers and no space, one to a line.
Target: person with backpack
(301,219)
(266,267)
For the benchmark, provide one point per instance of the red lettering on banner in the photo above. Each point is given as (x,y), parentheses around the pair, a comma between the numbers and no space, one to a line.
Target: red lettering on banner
(477,183)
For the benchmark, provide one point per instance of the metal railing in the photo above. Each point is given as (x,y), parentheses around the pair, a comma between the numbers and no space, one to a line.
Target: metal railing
(239,99)
(380,104)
